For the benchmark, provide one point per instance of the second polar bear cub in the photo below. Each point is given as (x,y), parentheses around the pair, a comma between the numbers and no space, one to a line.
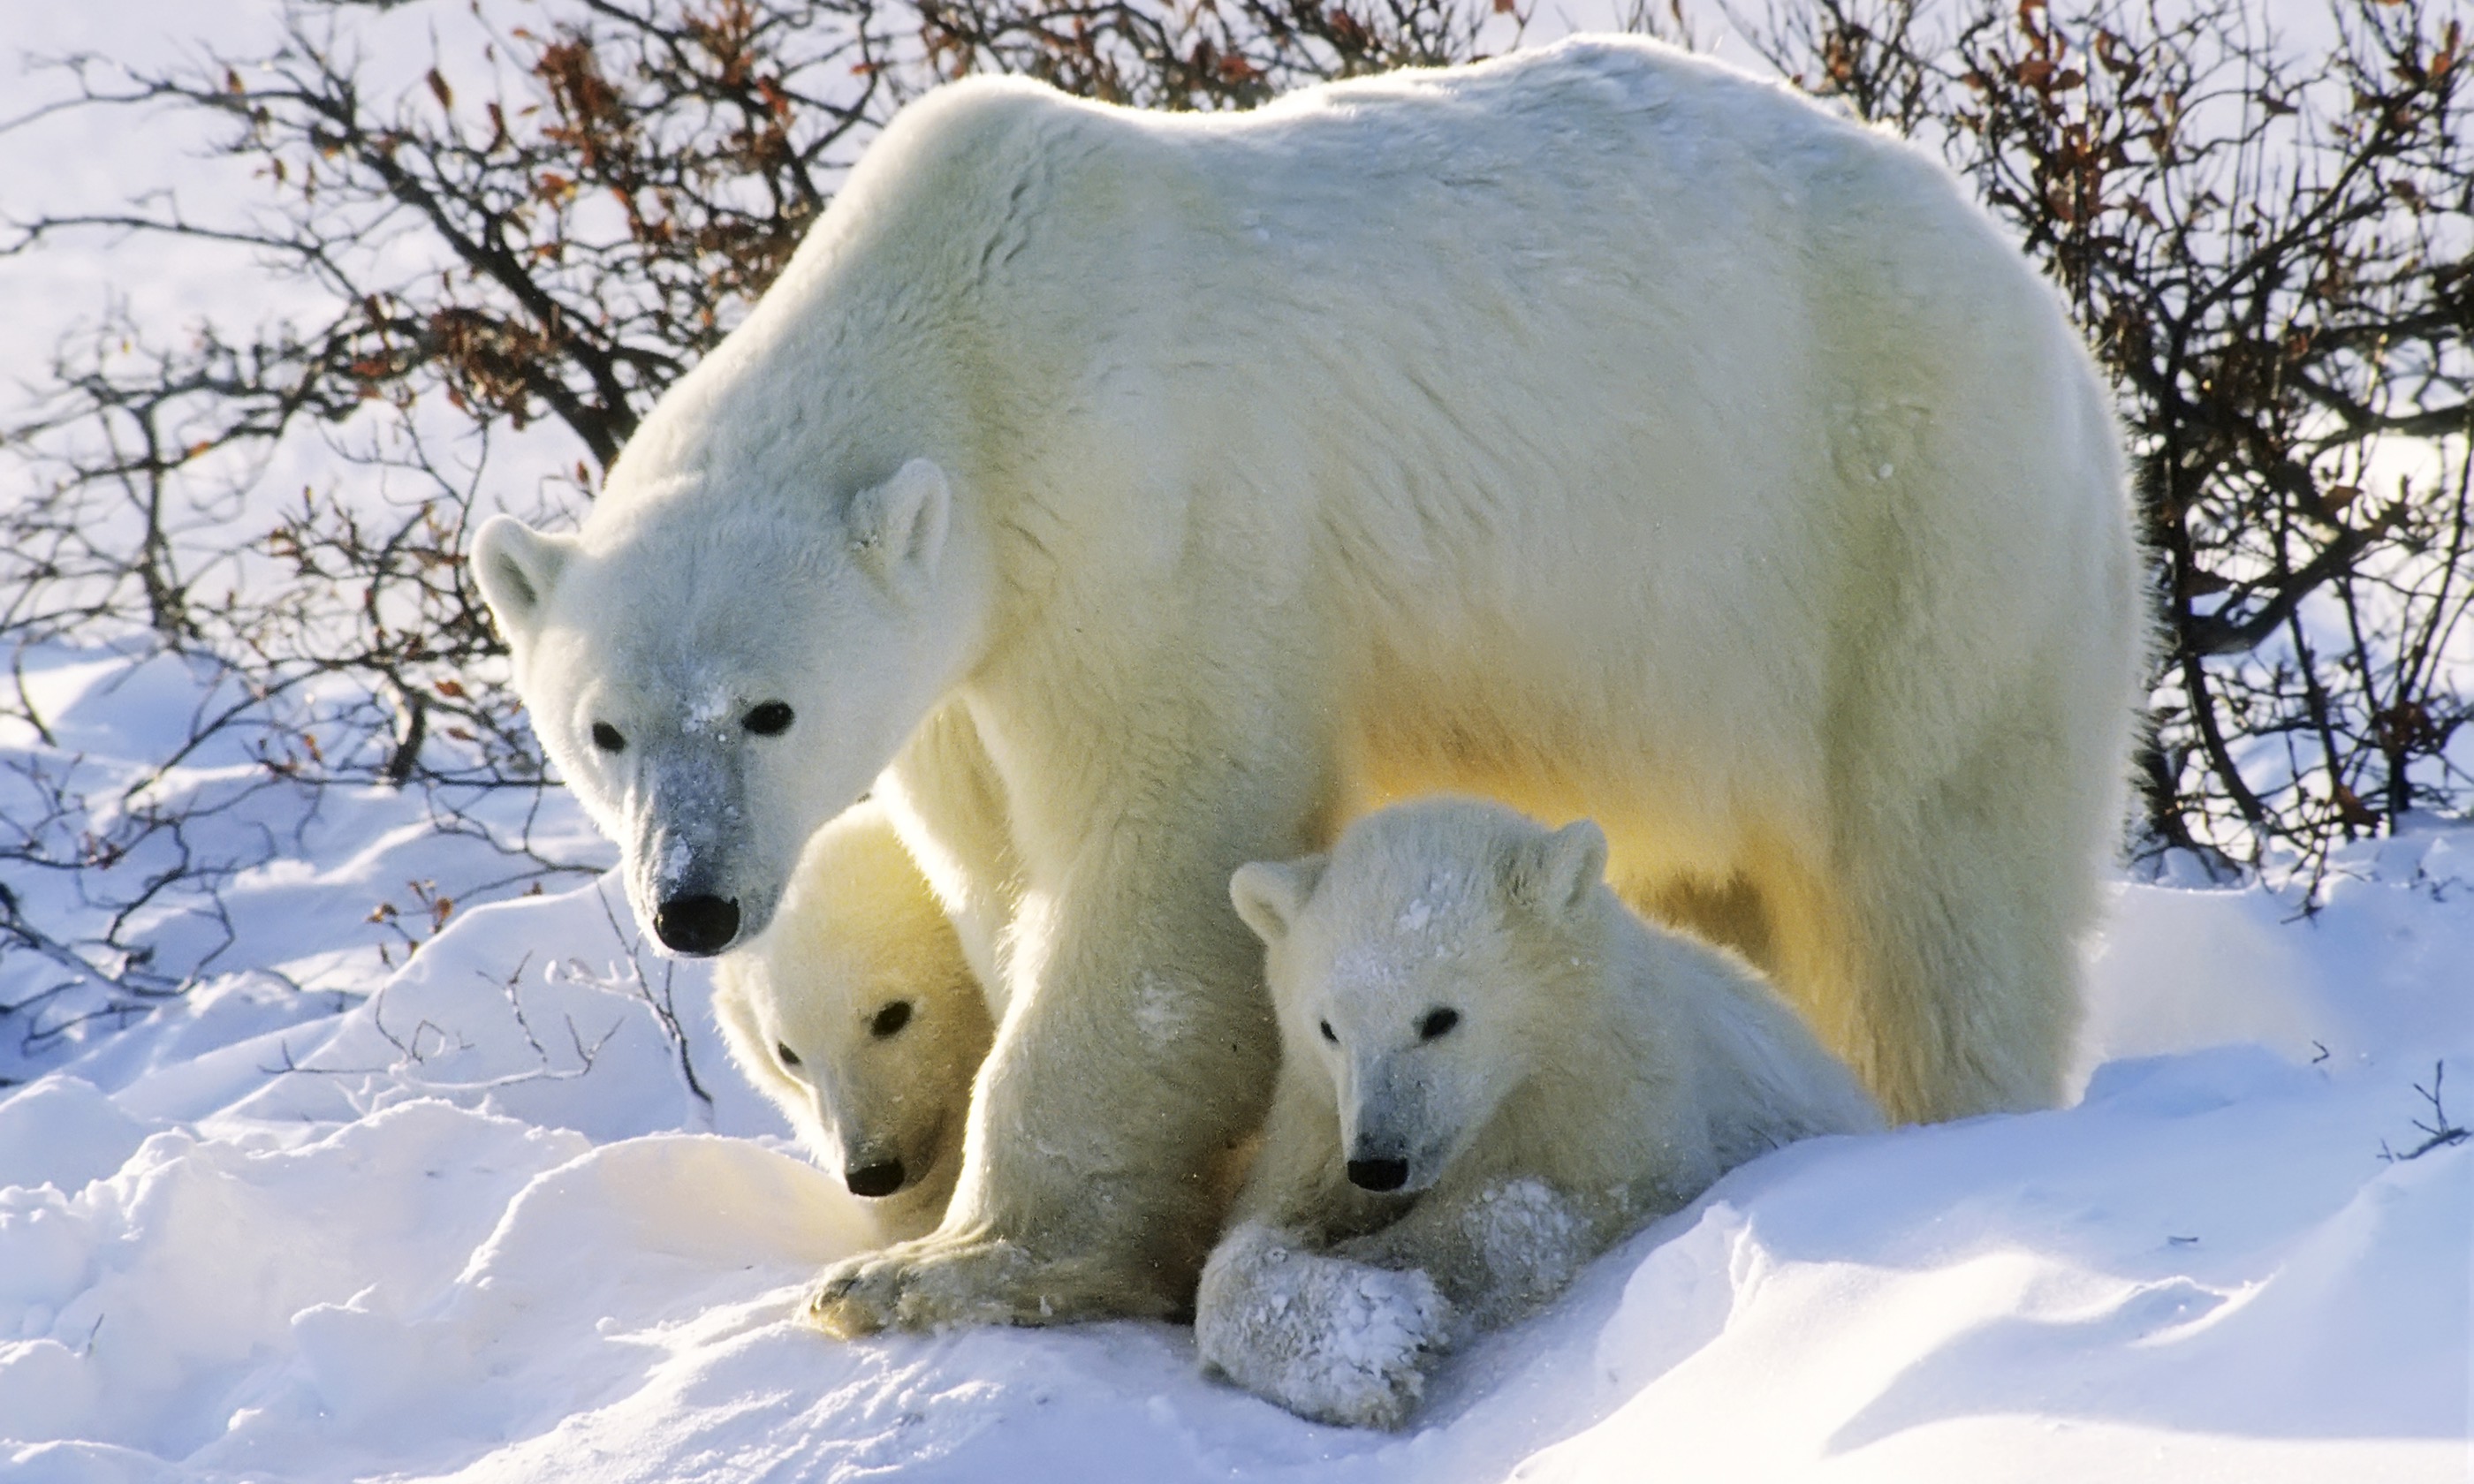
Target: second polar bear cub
(1491,1070)
(857,1012)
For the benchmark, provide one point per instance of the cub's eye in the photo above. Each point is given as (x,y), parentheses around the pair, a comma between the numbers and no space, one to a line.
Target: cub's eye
(1437,1023)
(607,738)
(1327,1035)
(768,719)
(782,1049)
(890,1019)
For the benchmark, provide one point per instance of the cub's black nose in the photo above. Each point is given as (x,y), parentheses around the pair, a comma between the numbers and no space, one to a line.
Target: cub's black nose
(1378,1174)
(697,924)
(874,1180)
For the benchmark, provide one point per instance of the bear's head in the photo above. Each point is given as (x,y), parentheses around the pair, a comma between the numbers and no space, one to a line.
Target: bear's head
(716,678)
(856,1014)
(1417,968)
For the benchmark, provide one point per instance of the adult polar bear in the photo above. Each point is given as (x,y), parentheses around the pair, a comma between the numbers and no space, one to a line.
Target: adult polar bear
(1128,496)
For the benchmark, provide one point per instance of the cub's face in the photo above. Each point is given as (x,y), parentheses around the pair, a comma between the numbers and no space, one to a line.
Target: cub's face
(716,686)
(875,1070)
(1415,1033)
(1406,972)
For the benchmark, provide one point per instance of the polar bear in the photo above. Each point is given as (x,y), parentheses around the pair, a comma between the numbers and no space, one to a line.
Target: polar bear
(1492,1071)
(857,1012)
(1127,497)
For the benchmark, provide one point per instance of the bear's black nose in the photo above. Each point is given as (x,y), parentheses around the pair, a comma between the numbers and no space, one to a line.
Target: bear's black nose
(1378,1174)
(697,924)
(882,1177)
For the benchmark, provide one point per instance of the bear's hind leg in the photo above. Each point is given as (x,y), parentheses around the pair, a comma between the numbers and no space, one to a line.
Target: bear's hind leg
(1939,952)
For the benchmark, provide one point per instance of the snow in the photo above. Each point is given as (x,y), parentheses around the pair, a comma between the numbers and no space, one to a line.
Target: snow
(481,1215)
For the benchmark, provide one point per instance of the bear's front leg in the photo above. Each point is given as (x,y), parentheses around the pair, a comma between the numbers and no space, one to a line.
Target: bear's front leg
(1329,1339)
(1088,1184)
(1136,1050)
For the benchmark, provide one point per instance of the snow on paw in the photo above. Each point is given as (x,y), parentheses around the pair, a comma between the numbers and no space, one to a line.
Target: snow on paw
(1330,1340)
(1531,1240)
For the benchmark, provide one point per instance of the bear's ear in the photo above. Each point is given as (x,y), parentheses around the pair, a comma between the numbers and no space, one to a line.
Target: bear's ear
(899,526)
(1270,893)
(1556,872)
(516,567)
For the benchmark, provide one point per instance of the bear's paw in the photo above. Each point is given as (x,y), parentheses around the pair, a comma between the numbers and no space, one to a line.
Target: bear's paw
(944,1279)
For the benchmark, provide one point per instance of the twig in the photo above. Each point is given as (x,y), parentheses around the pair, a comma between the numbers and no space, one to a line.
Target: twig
(664,1006)
(2439,1133)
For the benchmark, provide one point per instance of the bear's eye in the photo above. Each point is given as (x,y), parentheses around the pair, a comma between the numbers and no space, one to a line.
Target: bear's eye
(890,1019)
(1437,1023)
(782,1049)
(768,719)
(1327,1035)
(607,738)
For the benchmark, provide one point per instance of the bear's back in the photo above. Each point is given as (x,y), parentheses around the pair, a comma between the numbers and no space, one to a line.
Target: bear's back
(1536,160)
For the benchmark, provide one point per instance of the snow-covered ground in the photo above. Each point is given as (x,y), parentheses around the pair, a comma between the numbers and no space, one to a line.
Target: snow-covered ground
(478,1222)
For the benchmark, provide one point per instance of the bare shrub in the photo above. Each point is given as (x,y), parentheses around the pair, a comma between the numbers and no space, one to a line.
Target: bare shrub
(2272,249)
(1235,54)
(521,244)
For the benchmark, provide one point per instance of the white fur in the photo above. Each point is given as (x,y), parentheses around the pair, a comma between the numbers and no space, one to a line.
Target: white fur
(1594,1073)
(858,933)
(1597,429)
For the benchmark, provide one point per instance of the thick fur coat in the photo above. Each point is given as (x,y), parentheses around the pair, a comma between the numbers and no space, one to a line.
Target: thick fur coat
(1492,1071)
(1131,496)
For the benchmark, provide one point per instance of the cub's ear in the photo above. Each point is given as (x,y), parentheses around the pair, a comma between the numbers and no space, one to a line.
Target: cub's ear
(1270,893)
(516,567)
(1556,872)
(899,526)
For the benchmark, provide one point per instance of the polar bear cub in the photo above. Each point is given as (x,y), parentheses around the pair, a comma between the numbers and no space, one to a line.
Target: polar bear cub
(857,1012)
(1491,1070)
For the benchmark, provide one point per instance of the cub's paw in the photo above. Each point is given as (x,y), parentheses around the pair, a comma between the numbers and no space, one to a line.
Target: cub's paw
(1329,1339)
